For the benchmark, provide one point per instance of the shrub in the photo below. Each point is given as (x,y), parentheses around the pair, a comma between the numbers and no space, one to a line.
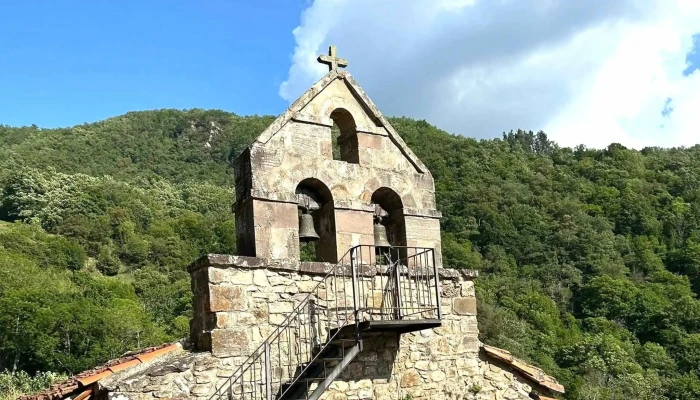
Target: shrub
(107,263)
(19,383)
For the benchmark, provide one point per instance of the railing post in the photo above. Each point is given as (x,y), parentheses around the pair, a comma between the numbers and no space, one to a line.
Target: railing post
(315,340)
(268,372)
(355,295)
(397,272)
(437,286)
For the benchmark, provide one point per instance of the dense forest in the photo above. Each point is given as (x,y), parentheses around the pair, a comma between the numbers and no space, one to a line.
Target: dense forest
(589,259)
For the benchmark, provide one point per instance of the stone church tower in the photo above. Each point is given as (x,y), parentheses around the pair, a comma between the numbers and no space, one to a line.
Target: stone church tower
(374,315)
(292,162)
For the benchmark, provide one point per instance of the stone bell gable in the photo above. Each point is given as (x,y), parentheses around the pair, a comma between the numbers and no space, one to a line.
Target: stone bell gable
(382,321)
(294,156)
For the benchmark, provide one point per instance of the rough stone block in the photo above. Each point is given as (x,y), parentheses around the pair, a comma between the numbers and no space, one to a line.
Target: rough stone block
(260,279)
(411,378)
(229,342)
(354,222)
(262,243)
(281,307)
(306,286)
(275,215)
(226,320)
(467,289)
(230,275)
(464,306)
(227,298)
(277,280)
(422,365)
(471,343)
(437,376)
(370,141)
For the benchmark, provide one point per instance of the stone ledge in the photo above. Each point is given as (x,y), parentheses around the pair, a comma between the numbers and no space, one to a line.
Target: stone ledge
(315,268)
(454,274)
(289,198)
(415,212)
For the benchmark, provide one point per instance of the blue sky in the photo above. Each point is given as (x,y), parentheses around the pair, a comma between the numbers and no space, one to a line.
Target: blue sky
(67,62)
(608,71)
(693,58)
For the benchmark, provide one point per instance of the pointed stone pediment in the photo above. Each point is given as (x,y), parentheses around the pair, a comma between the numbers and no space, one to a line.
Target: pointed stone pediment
(364,165)
(338,89)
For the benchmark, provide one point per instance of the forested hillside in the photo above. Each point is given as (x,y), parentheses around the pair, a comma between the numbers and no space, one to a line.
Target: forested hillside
(589,259)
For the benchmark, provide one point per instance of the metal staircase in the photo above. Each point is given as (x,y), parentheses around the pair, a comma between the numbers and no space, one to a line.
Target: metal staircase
(369,290)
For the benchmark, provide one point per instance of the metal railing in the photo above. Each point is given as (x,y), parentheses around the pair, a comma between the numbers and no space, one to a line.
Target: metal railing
(396,283)
(367,284)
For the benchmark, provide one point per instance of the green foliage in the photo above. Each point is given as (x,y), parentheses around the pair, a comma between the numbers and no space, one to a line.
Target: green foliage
(460,252)
(590,259)
(179,146)
(13,385)
(107,263)
(307,251)
(684,387)
(94,266)
(57,319)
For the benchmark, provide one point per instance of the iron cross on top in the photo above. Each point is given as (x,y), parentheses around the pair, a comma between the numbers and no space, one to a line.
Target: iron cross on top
(332,60)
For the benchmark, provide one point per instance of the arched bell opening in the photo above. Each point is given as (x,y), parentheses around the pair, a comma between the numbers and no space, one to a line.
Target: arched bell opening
(344,136)
(316,222)
(389,221)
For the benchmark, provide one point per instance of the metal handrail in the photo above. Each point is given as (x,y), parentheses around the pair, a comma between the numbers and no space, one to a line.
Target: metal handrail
(407,284)
(411,276)
(264,348)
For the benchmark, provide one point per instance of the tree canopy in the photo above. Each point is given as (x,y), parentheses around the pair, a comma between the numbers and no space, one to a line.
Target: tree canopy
(589,258)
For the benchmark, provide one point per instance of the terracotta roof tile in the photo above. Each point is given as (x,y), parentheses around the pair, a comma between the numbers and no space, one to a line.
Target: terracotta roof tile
(529,371)
(81,383)
(84,395)
(126,365)
(90,379)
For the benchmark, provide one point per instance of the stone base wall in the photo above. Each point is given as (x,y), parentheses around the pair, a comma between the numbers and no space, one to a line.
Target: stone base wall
(239,301)
(376,373)
(429,364)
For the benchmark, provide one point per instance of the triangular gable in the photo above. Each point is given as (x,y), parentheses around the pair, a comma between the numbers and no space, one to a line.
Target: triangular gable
(364,101)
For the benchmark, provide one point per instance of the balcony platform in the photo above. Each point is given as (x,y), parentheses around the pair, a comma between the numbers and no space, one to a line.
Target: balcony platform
(398,326)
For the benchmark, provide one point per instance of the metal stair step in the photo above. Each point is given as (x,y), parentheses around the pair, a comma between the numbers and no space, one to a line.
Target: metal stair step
(342,342)
(300,381)
(315,379)
(322,360)
(335,344)
(319,375)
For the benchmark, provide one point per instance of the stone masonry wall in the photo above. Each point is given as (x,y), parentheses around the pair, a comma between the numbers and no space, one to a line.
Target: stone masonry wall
(240,300)
(248,297)
(195,375)
(299,146)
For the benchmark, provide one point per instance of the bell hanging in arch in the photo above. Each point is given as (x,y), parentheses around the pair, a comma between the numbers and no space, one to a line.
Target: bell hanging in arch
(380,239)
(307,233)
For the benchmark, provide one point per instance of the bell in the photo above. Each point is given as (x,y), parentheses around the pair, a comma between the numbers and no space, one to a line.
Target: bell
(380,239)
(307,233)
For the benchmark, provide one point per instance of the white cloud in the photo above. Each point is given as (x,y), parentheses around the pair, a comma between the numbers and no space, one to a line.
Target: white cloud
(585,72)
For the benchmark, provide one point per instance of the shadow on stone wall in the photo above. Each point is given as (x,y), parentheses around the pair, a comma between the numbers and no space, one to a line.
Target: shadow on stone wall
(376,361)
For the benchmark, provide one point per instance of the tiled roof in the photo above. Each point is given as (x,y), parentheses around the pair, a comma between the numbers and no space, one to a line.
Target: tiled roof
(528,371)
(81,384)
